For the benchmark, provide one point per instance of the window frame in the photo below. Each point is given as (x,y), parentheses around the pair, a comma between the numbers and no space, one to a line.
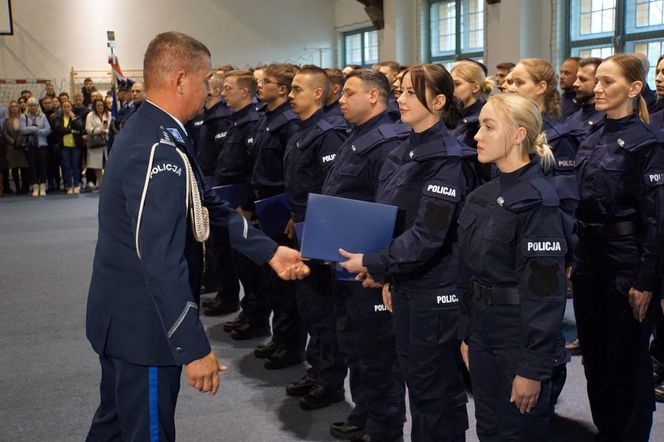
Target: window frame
(361,32)
(458,52)
(620,36)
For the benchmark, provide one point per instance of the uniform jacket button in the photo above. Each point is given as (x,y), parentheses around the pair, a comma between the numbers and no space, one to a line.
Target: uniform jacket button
(179,349)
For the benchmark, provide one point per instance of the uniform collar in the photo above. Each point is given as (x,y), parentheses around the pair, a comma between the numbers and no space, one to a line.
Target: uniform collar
(509,179)
(312,120)
(174,119)
(427,144)
(381,118)
(473,110)
(612,125)
(279,109)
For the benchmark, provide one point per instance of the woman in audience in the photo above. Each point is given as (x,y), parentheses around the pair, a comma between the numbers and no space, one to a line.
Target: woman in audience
(34,128)
(16,159)
(426,179)
(620,176)
(514,233)
(97,126)
(69,129)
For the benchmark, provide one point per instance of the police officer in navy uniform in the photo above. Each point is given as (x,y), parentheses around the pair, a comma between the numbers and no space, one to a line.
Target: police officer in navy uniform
(142,313)
(427,178)
(515,235)
(364,326)
(267,179)
(568,71)
(310,153)
(234,165)
(332,110)
(657,115)
(620,174)
(584,86)
(535,78)
(210,128)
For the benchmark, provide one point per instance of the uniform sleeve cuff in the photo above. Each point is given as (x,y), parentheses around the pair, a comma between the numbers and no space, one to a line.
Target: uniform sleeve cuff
(535,365)
(375,266)
(646,280)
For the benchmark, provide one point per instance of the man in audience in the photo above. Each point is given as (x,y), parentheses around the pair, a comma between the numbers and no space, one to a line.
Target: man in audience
(584,88)
(87,90)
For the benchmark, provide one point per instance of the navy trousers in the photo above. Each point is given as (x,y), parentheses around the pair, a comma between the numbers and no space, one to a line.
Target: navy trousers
(137,403)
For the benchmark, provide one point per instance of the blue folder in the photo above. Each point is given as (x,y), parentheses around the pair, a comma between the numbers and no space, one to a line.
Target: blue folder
(234,194)
(332,223)
(273,213)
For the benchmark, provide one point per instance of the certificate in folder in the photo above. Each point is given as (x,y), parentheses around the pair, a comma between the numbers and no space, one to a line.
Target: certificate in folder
(273,213)
(332,223)
(234,194)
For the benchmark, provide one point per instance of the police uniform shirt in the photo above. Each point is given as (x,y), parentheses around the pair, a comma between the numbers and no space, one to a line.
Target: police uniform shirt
(515,234)
(355,171)
(236,157)
(563,137)
(272,134)
(310,153)
(425,178)
(143,297)
(211,130)
(620,174)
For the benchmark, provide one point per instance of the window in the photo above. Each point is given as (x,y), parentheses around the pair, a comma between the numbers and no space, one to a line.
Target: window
(599,28)
(456,30)
(361,47)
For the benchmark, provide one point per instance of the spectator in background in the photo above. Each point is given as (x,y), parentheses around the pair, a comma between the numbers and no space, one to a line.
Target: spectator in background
(50,90)
(52,148)
(97,125)
(69,130)
(22,104)
(34,126)
(62,97)
(16,159)
(350,67)
(87,90)
(26,93)
(80,109)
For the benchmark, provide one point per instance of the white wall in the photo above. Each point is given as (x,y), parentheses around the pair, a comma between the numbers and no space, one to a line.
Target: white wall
(50,36)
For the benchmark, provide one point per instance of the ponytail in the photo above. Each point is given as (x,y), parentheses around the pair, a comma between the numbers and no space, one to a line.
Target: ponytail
(486,87)
(642,107)
(543,150)
(451,113)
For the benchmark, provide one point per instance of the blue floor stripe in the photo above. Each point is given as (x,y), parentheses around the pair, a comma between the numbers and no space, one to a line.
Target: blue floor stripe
(153,388)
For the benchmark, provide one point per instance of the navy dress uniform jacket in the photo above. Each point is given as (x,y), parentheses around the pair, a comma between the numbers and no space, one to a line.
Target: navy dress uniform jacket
(142,305)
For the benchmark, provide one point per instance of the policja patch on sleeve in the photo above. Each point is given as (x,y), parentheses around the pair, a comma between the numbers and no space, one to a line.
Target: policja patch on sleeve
(536,247)
(441,190)
(653,178)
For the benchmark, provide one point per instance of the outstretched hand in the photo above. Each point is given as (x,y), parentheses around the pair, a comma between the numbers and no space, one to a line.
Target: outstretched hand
(288,265)
(354,263)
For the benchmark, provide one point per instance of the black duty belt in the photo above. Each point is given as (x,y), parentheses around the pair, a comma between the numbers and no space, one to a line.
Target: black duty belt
(607,230)
(490,295)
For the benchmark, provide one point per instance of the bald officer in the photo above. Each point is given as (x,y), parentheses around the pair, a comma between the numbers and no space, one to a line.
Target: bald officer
(154,212)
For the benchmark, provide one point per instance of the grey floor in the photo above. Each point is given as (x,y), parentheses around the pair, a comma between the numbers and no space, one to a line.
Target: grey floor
(49,375)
